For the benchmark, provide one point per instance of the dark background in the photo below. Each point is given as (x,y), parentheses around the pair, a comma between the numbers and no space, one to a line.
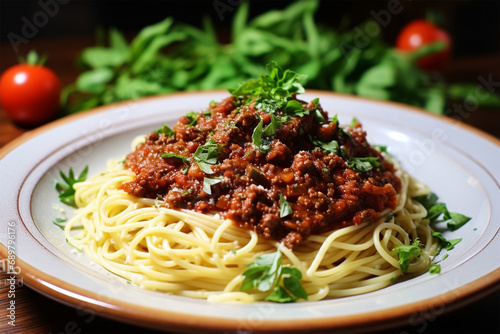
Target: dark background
(474,24)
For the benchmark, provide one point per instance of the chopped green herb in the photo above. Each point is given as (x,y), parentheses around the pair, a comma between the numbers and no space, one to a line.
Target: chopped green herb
(184,159)
(435,269)
(295,108)
(192,116)
(427,200)
(263,144)
(267,273)
(58,222)
(330,147)
(407,253)
(66,190)
(166,130)
(285,208)
(381,148)
(455,220)
(272,127)
(292,288)
(208,182)
(276,87)
(318,116)
(443,242)
(207,155)
(435,209)
(344,133)
(315,102)
(335,119)
(363,164)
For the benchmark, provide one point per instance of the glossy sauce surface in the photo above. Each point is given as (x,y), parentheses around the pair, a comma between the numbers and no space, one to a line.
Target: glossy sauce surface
(248,184)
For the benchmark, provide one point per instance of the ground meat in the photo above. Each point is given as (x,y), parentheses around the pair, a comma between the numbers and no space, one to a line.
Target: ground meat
(247,183)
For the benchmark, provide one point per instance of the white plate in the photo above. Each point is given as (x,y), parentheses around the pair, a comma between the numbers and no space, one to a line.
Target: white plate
(460,164)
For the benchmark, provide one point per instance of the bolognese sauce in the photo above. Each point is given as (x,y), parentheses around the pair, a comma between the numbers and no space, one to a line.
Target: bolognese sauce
(308,177)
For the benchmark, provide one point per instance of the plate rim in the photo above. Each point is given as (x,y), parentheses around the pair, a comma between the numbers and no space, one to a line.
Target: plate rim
(44,283)
(143,316)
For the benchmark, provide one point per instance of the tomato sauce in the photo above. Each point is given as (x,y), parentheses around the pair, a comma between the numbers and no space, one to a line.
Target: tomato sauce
(244,183)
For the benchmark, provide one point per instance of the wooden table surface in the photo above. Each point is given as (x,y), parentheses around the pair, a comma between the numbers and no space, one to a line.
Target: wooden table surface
(38,314)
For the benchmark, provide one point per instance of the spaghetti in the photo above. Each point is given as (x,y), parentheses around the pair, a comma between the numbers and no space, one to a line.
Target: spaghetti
(191,209)
(197,255)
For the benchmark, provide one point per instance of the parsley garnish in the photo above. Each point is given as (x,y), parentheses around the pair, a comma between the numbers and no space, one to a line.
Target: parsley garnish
(207,155)
(363,164)
(295,108)
(380,148)
(192,116)
(66,191)
(58,222)
(267,273)
(262,143)
(285,208)
(435,209)
(330,147)
(184,159)
(318,116)
(443,242)
(407,253)
(208,182)
(435,269)
(274,88)
(166,130)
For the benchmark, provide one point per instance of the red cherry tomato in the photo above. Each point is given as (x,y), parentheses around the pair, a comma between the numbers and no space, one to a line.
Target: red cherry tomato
(29,94)
(421,32)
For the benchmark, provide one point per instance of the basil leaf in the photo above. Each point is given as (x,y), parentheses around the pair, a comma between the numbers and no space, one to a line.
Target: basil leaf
(285,208)
(435,269)
(456,220)
(407,253)
(166,130)
(363,164)
(192,116)
(427,201)
(280,295)
(295,108)
(292,282)
(208,182)
(443,242)
(66,190)
(263,144)
(272,127)
(318,116)
(436,211)
(207,155)
(184,159)
(330,147)
(263,273)
(266,272)
(58,222)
